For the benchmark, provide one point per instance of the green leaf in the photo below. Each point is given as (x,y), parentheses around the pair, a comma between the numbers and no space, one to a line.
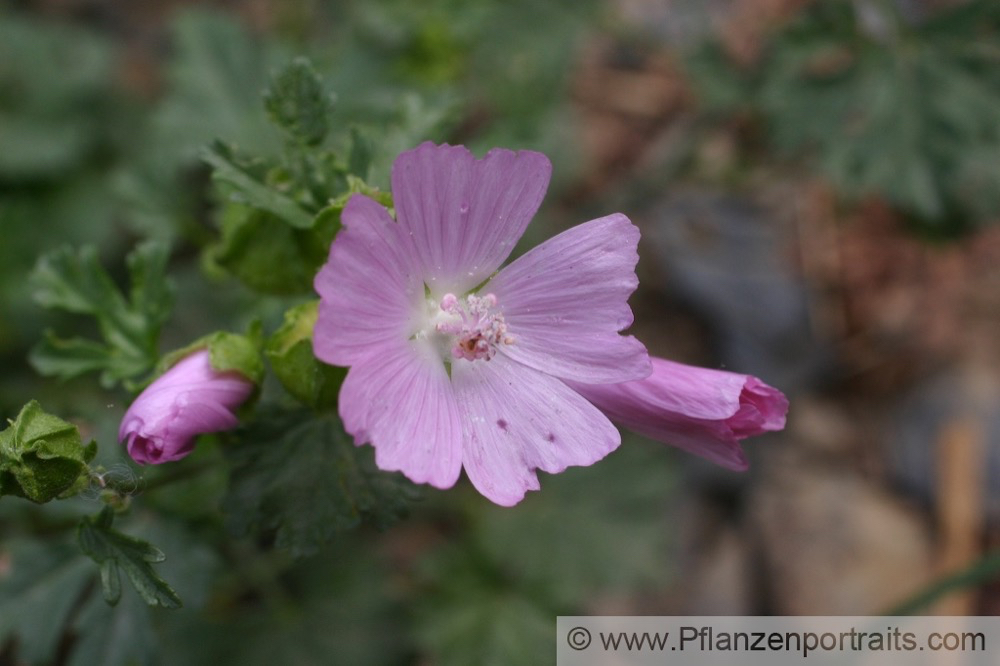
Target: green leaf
(290,353)
(151,295)
(565,517)
(271,257)
(120,635)
(40,583)
(53,118)
(116,552)
(858,104)
(359,158)
(296,102)
(42,457)
(340,606)
(985,570)
(54,356)
(215,74)
(75,281)
(478,617)
(249,190)
(263,252)
(298,476)
(490,594)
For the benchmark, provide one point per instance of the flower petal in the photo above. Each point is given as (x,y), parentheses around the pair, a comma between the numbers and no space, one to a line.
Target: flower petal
(189,399)
(518,420)
(565,301)
(464,215)
(173,437)
(702,411)
(402,402)
(368,288)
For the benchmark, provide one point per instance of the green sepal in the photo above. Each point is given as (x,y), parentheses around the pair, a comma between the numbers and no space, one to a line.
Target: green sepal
(329,217)
(290,353)
(228,352)
(43,457)
(115,552)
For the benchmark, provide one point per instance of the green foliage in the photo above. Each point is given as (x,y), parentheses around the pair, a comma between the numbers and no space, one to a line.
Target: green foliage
(215,77)
(42,130)
(907,111)
(480,616)
(981,572)
(561,520)
(492,597)
(290,353)
(339,606)
(42,457)
(120,635)
(116,552)
(297,103)
(249,189)
(62,126)
(73,280)
(460,583)
(284,212)
(48,606)
(227,352)
(299,477)
(264,253)
(40,586)
(239,353)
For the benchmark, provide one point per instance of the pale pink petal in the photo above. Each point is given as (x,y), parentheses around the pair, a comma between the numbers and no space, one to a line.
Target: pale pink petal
(402,402)
(566,300)
(702,411)
(368,288)
(464,215)
(518,420)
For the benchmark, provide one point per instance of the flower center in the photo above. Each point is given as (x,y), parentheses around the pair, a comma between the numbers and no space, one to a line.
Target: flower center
(469,327)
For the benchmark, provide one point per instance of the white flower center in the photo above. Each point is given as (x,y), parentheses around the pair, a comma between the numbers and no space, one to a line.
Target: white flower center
(470,327)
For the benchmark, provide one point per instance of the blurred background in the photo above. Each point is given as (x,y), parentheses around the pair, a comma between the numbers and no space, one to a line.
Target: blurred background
(817,184)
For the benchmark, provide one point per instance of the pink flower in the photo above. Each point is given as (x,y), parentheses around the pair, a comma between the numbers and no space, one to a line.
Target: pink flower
(189,399)
(454,365)
(704,412)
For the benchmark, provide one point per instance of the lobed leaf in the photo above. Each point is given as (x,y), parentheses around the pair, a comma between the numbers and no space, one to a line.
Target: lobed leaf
(248,190)
(75,281)
(116,552)
(297,476)
(40,584)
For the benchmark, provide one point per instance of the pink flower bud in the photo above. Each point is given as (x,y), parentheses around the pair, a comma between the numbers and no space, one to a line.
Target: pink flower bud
(189,399)
(702,411)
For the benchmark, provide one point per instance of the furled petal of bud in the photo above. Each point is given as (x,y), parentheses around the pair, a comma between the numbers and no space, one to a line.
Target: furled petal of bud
(703,411)
(189,399)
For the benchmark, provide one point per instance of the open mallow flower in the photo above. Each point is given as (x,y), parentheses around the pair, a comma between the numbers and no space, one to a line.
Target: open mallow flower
(189,399)
(455,364)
